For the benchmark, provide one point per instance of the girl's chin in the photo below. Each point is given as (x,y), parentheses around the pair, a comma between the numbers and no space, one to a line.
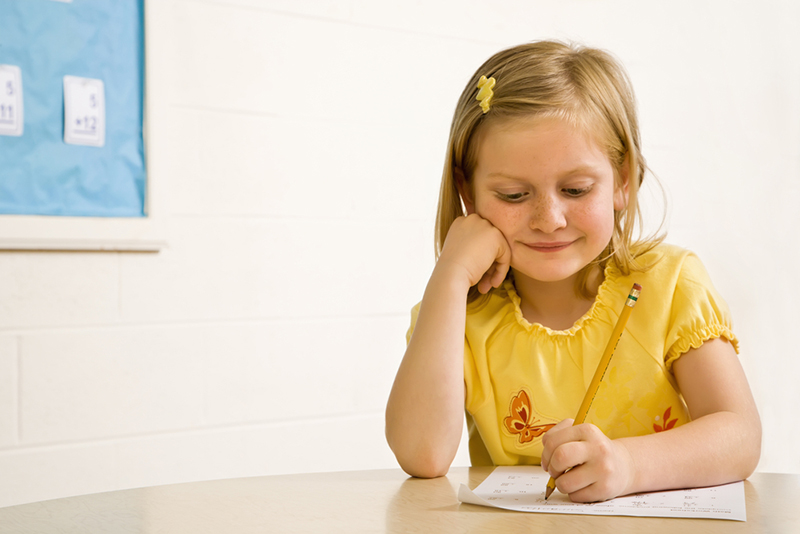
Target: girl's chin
(546,276)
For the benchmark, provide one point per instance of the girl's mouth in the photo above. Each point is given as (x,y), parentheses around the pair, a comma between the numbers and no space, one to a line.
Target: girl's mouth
(547,247)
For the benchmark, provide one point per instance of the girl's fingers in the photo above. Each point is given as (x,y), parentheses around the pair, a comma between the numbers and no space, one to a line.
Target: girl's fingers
(504,257)
(471,243)
(497,273)
(492,278)
(589,493)
(567,456)
(485,283)
(502,261)
(500,272)
(554,438)
(564,423)
(579,484)
(587,465)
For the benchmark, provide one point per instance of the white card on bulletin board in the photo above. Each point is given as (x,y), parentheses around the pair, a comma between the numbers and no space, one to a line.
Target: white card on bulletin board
(84,111)
(11,109)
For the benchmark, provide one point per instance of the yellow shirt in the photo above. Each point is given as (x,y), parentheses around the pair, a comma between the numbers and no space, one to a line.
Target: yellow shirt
(522,378)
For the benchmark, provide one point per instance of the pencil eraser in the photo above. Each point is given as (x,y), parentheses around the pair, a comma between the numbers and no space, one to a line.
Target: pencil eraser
(637,287)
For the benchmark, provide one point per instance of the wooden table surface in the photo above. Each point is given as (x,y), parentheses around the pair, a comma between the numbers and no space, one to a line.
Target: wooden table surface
(362,501)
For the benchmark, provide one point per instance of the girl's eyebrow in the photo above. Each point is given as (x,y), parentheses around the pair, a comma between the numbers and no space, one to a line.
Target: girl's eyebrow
(581,169)
(504,175)
(578,170)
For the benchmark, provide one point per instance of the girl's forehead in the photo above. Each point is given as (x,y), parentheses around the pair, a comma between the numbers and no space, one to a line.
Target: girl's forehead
(536,132)
(539,147)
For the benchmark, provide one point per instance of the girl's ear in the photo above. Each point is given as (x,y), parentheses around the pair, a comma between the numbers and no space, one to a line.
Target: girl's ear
(463,190)
(621,190)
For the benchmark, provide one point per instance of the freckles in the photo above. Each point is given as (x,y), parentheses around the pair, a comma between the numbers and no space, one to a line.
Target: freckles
(584,212)
(596,210)
(501,219)
(515,217)
(502,215)
(545,208)
(591,211)
(548,204)
(598,215)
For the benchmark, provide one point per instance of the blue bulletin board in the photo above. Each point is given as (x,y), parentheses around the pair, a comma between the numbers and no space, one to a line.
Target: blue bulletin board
(48,40)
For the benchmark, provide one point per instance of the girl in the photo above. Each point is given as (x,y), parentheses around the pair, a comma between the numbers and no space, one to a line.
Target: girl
(535,258)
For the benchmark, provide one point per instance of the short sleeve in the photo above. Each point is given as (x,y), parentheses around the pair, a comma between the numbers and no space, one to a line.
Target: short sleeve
(698,313)
(414,316)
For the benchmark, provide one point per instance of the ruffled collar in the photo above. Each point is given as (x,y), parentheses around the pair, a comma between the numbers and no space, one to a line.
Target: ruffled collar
(601,302)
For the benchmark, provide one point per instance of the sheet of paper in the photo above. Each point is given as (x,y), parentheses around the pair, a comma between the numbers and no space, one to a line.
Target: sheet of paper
(11,111)
(84,111)
(522,488)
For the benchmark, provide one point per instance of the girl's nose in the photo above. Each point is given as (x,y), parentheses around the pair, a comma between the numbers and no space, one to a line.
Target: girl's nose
(548,215)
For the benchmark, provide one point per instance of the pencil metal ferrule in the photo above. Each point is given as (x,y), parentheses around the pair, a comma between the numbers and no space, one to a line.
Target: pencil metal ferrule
(633,296)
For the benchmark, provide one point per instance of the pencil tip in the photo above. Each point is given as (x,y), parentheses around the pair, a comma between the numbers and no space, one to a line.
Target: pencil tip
(548,492)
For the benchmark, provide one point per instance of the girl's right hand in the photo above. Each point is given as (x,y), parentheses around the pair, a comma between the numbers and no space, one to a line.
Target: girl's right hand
(477,249)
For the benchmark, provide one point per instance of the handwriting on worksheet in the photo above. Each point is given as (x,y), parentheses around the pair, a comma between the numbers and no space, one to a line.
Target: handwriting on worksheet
(522,488)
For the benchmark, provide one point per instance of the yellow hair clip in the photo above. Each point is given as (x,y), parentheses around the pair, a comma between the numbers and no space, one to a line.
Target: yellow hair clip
(485,94)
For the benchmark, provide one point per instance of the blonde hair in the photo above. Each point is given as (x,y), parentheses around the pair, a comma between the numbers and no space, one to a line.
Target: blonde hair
(584,86)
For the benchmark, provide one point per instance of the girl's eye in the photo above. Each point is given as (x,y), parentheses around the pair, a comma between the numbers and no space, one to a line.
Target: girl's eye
(576,191)
(512,197)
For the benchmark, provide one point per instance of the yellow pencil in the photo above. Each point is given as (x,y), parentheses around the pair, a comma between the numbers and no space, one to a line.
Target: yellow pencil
(630,302)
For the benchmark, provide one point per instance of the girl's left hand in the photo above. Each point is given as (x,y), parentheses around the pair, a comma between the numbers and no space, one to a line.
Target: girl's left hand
(587,466)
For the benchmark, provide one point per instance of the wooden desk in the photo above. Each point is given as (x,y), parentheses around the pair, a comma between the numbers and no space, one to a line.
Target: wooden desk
(361,501)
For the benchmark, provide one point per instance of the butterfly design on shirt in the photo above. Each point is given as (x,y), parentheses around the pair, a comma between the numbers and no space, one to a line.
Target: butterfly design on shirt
(521,421)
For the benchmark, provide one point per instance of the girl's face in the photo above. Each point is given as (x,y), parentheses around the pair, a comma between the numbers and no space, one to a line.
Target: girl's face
(550,189)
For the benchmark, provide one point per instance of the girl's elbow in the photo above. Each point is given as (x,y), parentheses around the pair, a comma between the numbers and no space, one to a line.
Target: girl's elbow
(748,466)
(419,459)
(421,463)
(425,467)
(751,450)
(755,455)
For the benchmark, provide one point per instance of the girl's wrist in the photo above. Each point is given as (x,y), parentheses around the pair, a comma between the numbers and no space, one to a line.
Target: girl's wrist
(631,483)
(451,276)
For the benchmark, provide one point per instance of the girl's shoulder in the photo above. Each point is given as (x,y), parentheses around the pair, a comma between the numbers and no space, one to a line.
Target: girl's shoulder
(662,260)
(649,254)
(671,275)
(663,271)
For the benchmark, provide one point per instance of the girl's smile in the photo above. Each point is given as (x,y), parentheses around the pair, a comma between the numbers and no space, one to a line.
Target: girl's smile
(550,190)
(549,247)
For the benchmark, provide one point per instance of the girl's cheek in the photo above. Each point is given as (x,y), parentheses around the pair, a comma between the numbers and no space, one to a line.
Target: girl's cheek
(596,211)
(503,216)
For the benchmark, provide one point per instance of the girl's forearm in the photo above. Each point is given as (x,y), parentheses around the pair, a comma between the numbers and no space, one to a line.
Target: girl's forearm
(715,449)
(425,411)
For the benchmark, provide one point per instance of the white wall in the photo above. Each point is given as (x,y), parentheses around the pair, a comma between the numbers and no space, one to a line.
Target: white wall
(300,146)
